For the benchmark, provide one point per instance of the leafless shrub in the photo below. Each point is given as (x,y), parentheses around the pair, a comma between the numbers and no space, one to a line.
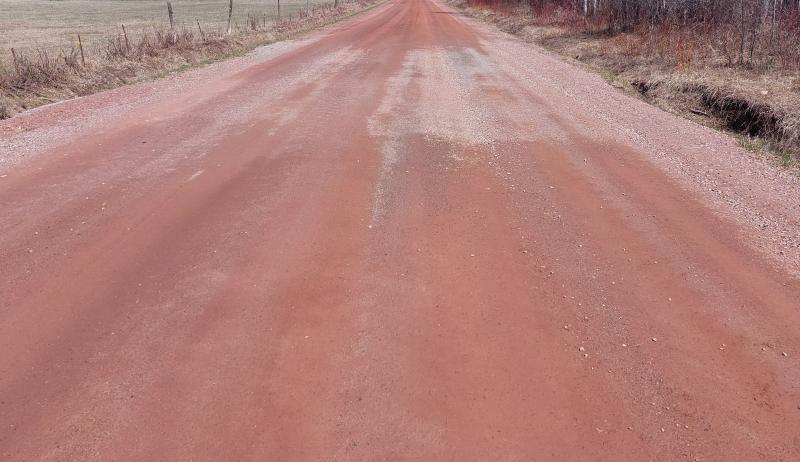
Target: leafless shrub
(254,22)
(41,69)
(117,48)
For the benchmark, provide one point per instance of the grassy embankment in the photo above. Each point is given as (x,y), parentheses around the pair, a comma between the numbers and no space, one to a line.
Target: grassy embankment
(678,69)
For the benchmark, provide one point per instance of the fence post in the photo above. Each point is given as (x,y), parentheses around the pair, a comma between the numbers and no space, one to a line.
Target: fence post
(202,35)
(125,33)
(80,45)
(169,13)
(279,9)
(230,14)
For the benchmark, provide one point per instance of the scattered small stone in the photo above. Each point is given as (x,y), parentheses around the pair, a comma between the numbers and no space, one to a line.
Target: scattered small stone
(624,345)
(785,354)
(654,339)
(581,349)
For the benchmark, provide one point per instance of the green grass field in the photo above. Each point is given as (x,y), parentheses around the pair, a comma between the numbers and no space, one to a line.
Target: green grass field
(50,24)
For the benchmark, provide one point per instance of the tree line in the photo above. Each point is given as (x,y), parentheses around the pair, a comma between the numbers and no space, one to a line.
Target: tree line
(748,30)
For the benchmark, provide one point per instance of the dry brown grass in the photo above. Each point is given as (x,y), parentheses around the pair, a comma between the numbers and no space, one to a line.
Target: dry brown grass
(37,77)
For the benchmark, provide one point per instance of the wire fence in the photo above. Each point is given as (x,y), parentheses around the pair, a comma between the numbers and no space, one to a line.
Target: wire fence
(43,26)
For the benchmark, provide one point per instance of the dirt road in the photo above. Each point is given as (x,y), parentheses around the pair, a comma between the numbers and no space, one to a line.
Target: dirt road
(406,237)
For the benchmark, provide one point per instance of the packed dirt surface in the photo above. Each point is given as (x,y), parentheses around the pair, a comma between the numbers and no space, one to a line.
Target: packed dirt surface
(406,237)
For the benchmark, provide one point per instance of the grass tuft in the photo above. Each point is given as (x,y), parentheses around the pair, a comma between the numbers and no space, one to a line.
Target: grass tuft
(760,146)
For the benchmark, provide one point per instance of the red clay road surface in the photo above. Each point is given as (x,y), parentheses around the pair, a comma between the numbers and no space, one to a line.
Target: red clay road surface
(406,237)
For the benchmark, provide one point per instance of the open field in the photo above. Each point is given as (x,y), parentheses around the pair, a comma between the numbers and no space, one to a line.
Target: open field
(28,24)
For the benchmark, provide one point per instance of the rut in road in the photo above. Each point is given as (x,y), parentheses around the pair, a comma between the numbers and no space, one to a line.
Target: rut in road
(406,237)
